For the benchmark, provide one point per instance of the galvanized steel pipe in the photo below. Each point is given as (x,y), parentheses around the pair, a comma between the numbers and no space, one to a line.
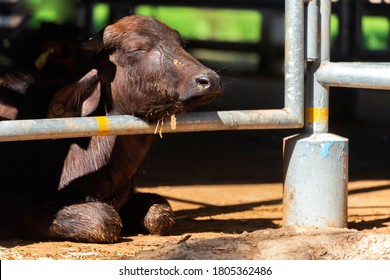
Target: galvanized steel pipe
(312,38)
(292,116)
(317,100)
(121,125)
(294,58)
(354,75)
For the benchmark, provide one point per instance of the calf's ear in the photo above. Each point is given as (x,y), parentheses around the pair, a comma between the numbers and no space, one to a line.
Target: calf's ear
(78,99)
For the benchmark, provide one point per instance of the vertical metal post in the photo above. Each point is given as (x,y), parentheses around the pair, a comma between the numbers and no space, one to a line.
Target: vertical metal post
(312,31)
(294,58)
(317,97)
(316,162)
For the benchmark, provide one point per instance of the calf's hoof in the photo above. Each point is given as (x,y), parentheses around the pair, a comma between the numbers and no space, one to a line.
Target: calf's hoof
(147,213)
(159,219)
(93,222)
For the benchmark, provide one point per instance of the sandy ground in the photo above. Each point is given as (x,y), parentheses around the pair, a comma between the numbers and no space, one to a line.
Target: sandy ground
(238,222)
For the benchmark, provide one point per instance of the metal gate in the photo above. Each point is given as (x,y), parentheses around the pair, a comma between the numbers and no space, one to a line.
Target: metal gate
(315,162)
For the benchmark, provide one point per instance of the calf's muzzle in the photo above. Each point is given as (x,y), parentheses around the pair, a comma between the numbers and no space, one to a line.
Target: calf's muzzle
(207,88)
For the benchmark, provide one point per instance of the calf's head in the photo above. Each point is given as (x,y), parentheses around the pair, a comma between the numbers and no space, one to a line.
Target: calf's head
(142,69)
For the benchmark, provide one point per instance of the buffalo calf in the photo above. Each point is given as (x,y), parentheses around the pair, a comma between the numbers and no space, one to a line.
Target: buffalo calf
(81,188)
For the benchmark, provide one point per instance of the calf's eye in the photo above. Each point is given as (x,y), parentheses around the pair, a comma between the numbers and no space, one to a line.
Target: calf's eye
(135,52)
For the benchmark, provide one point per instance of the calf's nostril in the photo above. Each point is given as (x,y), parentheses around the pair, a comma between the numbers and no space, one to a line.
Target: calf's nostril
(203,81)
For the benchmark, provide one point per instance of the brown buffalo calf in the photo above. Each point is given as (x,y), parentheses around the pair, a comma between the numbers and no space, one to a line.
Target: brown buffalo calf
(81,189)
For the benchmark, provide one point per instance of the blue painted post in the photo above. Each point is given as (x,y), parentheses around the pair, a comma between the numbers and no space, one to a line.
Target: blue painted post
(316,162)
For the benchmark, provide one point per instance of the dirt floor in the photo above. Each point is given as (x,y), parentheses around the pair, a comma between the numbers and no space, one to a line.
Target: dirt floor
(238,222)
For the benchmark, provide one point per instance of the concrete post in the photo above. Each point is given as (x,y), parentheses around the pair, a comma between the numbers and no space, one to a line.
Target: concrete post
(315,180)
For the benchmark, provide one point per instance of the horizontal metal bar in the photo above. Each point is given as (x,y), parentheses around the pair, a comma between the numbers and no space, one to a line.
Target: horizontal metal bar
(126,124)
(290,117)
(355,75)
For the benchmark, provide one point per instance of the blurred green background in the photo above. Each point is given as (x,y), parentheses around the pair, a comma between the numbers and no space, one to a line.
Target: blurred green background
(200,23)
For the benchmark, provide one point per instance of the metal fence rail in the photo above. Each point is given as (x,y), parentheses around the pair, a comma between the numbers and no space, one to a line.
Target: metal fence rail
(316,162)
(355,75)
(289,117)
(122,125)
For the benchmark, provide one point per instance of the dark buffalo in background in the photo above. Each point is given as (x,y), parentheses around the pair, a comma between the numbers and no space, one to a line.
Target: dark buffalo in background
(51,53)
(81,189)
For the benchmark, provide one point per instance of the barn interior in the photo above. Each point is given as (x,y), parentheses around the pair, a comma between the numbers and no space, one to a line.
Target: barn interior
(244,42)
